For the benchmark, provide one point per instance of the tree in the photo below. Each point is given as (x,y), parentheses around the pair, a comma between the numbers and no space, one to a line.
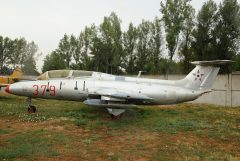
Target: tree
(29,63)
(6,48)
(129,48)
(18,54)
(83,48)
(53,61)
(98,52)
(65,49)
(173,17)
(76,47)
(204,36)
(89,34)
(107,47)
(228,30)
(143,48)
(185,48)
(155,46)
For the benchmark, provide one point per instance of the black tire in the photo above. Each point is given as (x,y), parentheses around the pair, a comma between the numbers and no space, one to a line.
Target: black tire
(32,109)
(29,110)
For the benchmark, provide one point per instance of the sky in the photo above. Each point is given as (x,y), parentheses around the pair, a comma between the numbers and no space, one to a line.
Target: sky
(46,21)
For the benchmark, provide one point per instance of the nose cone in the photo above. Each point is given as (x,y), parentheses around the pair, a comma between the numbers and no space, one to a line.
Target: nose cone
(7,89)
(20,88)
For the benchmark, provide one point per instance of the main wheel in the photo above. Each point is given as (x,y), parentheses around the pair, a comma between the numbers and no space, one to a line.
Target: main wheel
(32,109)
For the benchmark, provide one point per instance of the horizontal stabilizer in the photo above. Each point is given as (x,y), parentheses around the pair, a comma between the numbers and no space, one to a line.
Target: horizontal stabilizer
(212,63)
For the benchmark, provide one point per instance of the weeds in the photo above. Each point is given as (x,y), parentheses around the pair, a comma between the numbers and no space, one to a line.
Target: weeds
(27,144)
(5,131)
(180,132)
(80,122)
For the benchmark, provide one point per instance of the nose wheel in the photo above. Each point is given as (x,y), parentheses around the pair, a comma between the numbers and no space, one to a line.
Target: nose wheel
(30,107)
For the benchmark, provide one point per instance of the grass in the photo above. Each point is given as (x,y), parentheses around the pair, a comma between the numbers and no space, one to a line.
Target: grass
(64,130)
(4,131)
(27,144)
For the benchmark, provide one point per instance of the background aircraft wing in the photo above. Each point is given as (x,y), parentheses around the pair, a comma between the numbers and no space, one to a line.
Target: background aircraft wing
(4,85)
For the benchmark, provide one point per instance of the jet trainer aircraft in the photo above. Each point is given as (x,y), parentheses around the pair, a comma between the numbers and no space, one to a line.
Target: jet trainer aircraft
(117,93)
(14,77)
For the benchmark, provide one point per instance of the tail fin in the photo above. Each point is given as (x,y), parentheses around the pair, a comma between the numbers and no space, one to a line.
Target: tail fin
(203,75)
(17,73)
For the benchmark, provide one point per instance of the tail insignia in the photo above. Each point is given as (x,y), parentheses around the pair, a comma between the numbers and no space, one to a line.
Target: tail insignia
(198,75)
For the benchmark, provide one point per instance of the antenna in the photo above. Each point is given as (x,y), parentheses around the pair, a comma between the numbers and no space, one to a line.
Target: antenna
(139,73)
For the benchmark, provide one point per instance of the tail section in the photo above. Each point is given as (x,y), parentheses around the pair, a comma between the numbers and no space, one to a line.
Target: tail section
(203,75)
(17,73)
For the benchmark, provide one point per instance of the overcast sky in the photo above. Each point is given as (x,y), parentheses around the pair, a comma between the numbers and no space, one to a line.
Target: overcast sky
(46,21)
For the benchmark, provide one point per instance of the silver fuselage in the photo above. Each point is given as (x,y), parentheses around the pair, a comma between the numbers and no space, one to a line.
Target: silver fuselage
(78,89)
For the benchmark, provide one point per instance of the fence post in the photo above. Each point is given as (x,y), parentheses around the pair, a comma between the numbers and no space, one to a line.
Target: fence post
(229,91)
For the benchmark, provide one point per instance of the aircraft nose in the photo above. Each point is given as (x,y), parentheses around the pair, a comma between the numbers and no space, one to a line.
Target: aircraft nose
(7,89)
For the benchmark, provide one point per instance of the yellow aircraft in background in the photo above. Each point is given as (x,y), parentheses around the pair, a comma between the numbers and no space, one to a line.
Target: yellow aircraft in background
(9,79)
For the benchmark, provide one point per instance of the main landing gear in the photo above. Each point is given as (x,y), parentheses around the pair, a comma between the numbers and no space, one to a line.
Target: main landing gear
(30,107)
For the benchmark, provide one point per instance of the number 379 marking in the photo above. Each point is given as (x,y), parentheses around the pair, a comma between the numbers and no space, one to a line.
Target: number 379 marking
(42,89)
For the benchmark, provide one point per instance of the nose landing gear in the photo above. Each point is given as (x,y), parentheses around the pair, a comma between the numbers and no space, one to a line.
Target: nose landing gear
(30,107)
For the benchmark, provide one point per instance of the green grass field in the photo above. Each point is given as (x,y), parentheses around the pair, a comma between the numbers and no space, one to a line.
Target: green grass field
(64,130)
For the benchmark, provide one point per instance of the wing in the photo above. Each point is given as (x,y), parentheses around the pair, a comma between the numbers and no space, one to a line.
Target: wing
(112,97)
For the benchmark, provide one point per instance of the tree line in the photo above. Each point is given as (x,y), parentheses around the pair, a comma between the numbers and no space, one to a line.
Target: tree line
(212,33)
(164,45)
(17,53)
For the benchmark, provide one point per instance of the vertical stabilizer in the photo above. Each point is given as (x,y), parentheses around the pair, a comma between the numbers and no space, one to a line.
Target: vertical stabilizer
(203,75)
(17,73)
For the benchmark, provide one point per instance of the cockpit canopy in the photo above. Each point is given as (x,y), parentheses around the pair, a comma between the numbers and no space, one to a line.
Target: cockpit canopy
(54,74)
(60,74)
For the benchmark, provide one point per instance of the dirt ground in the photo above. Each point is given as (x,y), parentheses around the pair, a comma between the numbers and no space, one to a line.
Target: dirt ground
(182,132)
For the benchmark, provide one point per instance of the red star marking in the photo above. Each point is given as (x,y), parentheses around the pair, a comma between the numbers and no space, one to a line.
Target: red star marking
(198,75)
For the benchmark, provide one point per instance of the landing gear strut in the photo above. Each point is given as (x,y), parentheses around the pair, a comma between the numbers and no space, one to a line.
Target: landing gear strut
(30,107)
